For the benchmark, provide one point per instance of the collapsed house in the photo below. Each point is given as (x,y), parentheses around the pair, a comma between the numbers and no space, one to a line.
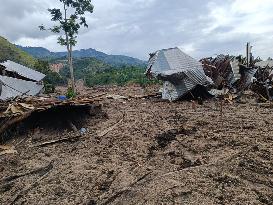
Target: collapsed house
(229,72)
(17,80)
(20,102)
(220,75)
(236,74)
(180,72)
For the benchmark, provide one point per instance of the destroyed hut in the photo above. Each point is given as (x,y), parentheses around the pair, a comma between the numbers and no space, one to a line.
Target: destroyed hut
(180,72)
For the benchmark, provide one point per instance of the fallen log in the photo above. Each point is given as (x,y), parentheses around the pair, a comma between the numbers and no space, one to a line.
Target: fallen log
(106,131)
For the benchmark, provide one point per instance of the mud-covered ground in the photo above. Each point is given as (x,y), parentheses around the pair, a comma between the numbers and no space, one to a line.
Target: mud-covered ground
(156,152)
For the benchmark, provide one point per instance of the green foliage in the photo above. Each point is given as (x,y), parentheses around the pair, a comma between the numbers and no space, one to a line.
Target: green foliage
(95,72)
(84,66)
(70,93)
(119,76)
(9,51)
(71,24)
(113,60)
(42,66)
(49,88)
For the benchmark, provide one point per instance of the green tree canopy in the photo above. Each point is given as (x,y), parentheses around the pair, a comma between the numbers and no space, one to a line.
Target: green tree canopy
(68,20)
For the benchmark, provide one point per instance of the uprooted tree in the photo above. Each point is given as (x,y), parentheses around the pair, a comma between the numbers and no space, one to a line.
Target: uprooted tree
(69,19)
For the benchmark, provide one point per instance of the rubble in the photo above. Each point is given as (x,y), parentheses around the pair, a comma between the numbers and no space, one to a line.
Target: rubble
(18,80)
(13,112)
(229,72)
(221,76)
(263,76)
(236,74)
(160,153)
(180,72)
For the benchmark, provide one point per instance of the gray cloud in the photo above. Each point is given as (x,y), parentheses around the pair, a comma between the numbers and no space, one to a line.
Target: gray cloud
(137,27)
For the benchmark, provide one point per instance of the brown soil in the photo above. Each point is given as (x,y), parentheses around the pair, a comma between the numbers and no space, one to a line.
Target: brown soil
(160,153)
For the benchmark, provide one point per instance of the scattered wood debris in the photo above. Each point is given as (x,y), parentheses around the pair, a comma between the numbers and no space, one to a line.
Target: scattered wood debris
(16,111)
(104,132)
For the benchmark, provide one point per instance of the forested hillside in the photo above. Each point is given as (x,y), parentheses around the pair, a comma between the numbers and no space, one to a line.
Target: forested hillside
(114,60)
(9,51)
(102,69)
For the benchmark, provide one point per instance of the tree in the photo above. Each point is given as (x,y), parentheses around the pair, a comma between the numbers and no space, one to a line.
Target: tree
(68,21)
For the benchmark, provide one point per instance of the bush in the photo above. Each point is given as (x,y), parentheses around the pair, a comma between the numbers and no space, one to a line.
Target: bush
(70,93)
(119,76)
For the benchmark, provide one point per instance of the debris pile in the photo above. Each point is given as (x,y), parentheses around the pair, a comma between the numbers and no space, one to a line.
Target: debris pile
(16,111)
(263,79)
(229,72)
(220,76)
(145,151)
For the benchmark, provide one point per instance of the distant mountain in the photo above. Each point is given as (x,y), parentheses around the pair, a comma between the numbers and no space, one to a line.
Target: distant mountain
(114,60)
(9,51)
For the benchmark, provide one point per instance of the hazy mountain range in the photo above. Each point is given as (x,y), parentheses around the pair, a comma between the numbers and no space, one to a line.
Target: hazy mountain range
(115,60)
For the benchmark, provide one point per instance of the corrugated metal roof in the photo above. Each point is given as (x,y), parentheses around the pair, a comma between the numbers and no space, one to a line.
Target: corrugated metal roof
(236,69)
(173,60)
(23,70)
(13,87)
(182,72)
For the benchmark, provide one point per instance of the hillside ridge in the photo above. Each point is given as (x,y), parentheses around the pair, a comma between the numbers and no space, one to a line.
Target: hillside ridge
(114,60)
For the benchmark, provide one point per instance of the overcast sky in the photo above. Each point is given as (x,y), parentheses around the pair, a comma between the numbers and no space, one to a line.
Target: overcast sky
(138,27)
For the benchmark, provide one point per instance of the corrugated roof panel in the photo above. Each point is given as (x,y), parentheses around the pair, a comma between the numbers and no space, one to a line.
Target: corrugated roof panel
(189,84)
(13,87)
(182,72)
(23,70)
(161,64)
(152,60)
(197,75)
(236,69)
(171,61)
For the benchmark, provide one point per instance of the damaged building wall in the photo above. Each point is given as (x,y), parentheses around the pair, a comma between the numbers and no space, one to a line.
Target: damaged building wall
(263,84)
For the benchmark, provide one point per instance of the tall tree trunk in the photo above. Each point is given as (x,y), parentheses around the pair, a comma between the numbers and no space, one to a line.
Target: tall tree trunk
(71,70)
(70,64)
(69,54)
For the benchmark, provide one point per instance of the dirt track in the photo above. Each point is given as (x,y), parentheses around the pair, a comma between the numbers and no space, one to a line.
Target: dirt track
(158,153)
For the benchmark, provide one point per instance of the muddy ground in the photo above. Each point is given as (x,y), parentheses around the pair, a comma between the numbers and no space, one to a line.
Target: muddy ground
(156,153)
